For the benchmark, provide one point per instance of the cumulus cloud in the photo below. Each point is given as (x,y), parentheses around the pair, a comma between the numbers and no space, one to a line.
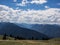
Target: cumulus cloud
(50,15)
(7,14)
(24,2)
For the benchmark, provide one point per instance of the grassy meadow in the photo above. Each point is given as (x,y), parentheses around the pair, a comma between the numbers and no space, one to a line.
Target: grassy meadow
(11,41)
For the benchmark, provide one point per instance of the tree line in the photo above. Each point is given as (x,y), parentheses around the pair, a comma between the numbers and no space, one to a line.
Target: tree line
(21,38)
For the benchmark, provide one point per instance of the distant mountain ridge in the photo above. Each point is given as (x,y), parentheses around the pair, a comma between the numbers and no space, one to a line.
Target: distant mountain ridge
(52,30)
(13,29)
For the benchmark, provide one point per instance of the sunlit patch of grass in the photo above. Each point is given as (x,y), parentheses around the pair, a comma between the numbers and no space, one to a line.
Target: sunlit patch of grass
(7,38)
(1,36)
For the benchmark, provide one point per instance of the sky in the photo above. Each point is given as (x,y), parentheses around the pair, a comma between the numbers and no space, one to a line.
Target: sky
(30,11)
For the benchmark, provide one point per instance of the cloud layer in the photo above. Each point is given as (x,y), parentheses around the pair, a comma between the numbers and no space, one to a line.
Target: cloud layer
(50,15)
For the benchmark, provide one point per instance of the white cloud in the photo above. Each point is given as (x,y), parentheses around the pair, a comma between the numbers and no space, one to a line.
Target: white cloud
(50,15)
(24,2)
(14,0)
(7,14)
(47,7)
(38,1)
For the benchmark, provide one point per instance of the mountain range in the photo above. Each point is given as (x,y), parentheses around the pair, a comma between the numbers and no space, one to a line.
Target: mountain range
(51,30)
(15,30)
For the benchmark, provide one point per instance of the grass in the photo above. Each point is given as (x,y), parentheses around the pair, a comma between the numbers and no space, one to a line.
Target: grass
(1,37)
(21,42)
(29,42)
(7,37)
(11,41)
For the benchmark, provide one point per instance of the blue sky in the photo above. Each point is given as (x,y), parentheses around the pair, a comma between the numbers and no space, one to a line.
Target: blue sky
(50,3)
(26,10)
